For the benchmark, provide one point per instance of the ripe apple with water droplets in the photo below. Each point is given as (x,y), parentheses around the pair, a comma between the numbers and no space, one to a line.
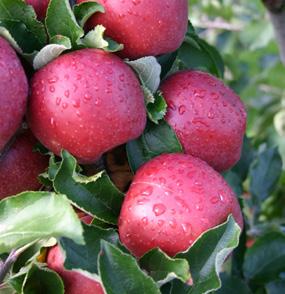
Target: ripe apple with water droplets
(173,199)
(207,116)
(14,92)
(20,166)
(74,282)
(40,7)
(145,27)
(86,102)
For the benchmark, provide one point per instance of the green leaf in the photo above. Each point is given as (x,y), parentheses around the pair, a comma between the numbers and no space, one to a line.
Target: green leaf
(265,260)
(156,139)
(279,122)
(233,285)
(157,109)
(247,156)
(85,257)
(264,174)
(95,195)
(31,216)
(31,253)
(42,280)
(85,10)
(234,181)
(95,39)
(60,20)
(23,28)
(148,70)
(120,272)
(6,289)
(50,52)
(207,255)
(163,269)
(195,53)
(166,62)
(275,287)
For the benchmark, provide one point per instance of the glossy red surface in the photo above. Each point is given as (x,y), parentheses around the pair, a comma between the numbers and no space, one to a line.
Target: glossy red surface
(13,92)
(145,27)
(173,199)
(86,102)
(207,116)
(20,167)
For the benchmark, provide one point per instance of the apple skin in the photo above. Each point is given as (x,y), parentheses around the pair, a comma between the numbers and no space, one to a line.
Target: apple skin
(173,199)
(145,27)
(74,282)
(207,116)
(14,92)
(20,166)
(87,102)
(40,7)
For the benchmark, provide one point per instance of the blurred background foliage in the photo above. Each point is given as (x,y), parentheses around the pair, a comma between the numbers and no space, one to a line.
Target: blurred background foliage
(243,34)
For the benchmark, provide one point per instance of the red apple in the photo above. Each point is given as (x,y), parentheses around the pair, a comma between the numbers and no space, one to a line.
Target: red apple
(14,92)
(40,7)
(20,166)
(87,102)
(145,27)
(207,116)
(173,199)
(74,282)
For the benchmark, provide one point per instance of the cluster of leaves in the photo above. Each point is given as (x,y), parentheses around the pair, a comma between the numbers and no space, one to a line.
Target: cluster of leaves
(244,35)
(29,222)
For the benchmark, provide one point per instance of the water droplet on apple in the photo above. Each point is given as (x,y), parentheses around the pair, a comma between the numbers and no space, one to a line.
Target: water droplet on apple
(159,209)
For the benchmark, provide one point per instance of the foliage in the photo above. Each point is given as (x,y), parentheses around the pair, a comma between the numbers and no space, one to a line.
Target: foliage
(240,48)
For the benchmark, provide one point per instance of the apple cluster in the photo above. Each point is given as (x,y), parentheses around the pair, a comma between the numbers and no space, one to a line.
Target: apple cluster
(90,101)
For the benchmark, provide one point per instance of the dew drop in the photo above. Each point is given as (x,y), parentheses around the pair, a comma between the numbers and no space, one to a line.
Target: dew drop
(162,181)
(142,201)
(52,80)
(122,77)
(172,224)
(76,103)
(221,197)
(211,114)
(97,101)
(58,100)
(145,221)
(172,106)
(136,2)
(159,209)
(160,222)
(64,105)
(87,97)
(148,191)
(66,93)
(181,109)
(187,228)
(214,200)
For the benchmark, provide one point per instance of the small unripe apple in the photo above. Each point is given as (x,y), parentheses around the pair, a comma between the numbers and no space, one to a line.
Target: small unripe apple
(207,116)
(86,102)
(20,166)
(13,92)
(173,199)
(145,27)
(74,282)
(40,7)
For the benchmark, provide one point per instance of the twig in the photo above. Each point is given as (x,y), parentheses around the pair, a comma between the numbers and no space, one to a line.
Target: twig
(219,24)
(276,11)
(11,259)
